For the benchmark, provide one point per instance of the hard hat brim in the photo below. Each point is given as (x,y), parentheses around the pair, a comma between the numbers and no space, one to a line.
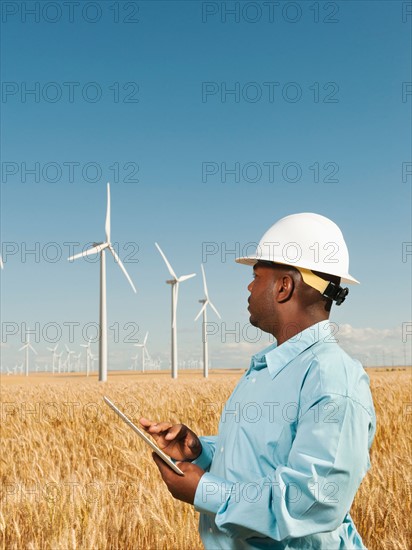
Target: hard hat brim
(252,260)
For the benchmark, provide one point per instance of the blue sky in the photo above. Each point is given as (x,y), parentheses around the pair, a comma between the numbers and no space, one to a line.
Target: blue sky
(319,92)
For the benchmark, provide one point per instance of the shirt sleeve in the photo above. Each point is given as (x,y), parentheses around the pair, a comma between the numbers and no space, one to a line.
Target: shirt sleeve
(204,460)
(313,492)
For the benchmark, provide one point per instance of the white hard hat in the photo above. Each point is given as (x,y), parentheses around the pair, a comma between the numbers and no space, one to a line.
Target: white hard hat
(308,241)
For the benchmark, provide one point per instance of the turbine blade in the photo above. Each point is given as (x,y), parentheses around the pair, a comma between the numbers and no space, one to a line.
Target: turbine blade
(1,263)
(186,277)
(169,267)
(108,224)
(23,347)
(214,309)
(145,338)
(201,311)
(119,261)
(204,281)
(32,349)
(93,250)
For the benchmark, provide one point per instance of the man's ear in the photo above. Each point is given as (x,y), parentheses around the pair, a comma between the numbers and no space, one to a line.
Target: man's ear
(284,288)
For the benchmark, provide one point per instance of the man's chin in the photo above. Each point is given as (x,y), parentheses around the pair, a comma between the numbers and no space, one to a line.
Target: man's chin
(253,321)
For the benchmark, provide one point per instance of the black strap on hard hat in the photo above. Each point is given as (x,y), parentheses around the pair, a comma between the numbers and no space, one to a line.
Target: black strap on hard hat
(329,290)
(336,293)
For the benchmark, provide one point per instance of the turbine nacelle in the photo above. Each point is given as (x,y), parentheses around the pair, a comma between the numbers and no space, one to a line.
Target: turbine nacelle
(98,248)
(175,282)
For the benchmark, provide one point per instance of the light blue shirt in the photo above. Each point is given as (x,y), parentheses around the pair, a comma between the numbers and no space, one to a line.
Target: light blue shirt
(292,449)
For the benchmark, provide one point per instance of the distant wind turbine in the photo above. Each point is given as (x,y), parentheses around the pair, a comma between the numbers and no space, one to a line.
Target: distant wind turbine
(59,362)
(133,366)
(88,356)
(53,350)
(26,347)
(206,301)
(101,248)
(68,363)
(175,294)
(144,350)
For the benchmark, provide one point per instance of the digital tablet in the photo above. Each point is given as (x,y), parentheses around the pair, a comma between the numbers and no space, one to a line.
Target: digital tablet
(145,438)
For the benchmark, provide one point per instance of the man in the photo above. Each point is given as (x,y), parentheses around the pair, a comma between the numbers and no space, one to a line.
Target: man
(294,436)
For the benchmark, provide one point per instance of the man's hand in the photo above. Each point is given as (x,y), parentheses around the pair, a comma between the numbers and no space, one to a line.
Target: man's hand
(181,487)
(176,440)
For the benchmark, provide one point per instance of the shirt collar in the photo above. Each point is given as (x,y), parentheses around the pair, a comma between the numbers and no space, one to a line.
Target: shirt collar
(277,357)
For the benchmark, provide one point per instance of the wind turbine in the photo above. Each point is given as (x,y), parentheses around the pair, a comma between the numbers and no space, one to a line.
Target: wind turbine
(68,362)
(27,346)
(101,248)
(53,350)
(88,356)
(59,362)
(144,350)
(203,310)
(133,366)
(92,360)
(175,294)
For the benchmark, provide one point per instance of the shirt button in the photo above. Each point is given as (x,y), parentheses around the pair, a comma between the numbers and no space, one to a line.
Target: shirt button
(210,530)
(253,380)
(222,449)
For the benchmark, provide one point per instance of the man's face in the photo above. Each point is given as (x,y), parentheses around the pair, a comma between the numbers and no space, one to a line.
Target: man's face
(262,304)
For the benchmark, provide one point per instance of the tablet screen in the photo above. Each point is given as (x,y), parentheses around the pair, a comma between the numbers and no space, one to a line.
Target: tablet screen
(145,438)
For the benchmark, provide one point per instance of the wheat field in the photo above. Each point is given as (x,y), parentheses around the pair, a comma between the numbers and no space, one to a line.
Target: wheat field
(73,476)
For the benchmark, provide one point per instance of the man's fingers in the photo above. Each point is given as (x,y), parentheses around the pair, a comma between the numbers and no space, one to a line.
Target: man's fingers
(154,427)
(164,469)
(145,423)
(158,428)
(174,432)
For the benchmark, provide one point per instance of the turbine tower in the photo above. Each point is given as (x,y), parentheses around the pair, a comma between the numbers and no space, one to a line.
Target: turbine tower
(59,363)
(101,248)
(53,350)
(175,294)
(27,346)
(206,301)
(68,363)
(88,356)
(144,350)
